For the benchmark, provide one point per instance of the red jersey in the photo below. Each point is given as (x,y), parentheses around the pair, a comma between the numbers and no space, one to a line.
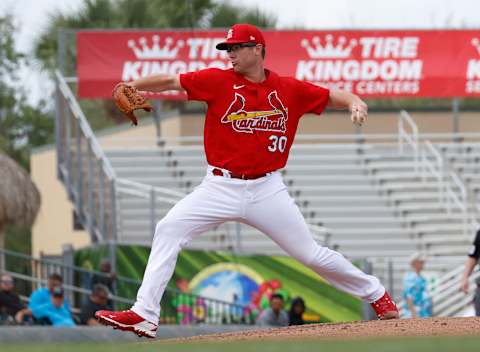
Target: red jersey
(250,127)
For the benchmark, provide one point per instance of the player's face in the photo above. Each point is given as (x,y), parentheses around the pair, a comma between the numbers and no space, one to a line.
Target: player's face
(244,56)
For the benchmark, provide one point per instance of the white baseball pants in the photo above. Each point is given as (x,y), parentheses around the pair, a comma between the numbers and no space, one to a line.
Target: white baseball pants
(263,203)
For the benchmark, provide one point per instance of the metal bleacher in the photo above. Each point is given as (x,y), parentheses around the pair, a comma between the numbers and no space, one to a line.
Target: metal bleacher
(330,184)
(367,197)
(178,170)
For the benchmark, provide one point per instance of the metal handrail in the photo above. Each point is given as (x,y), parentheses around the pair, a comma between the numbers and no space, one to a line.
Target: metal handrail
(85,126)
(448,182)
(435,169)
(152,194)
(459,199)
(66,287)
(448,298)
(445,280)
(148,188)
(408,138)
(53,263)
(83,167)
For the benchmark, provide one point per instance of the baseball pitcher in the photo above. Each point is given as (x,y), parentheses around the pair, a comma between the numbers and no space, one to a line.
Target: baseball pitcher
(251,121)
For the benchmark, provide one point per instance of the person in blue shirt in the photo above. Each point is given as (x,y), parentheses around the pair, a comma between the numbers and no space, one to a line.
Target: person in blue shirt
(418,303)
(56,312)
(42,295)
(41,300)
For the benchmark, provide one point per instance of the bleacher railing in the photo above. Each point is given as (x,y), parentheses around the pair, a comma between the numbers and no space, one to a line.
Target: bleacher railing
(155,196)
(448,299)
(433,168)
(177,307)
(452,193)
(430,164)
(406,138)
(83,167)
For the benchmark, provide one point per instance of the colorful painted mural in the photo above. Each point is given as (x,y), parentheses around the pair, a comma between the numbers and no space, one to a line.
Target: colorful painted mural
(246,281)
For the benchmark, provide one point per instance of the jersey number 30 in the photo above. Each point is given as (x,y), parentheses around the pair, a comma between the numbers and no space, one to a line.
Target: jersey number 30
(278,143)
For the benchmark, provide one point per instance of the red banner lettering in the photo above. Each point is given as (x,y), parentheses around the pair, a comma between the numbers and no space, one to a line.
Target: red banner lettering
(392,63)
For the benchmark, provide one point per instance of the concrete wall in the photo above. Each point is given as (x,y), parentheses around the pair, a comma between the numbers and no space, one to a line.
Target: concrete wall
(54,224)
(83,334)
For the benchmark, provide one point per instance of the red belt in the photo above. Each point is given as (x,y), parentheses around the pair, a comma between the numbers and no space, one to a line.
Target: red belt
(218,172)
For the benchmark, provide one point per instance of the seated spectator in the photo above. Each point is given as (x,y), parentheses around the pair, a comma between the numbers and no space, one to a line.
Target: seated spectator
(56,311)
(275,315)
(295,315)
(42,295)
(98,300)
(418,302)
(11,307)
(109,277)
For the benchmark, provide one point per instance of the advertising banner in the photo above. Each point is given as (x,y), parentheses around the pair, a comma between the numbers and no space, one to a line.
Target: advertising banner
(420,63)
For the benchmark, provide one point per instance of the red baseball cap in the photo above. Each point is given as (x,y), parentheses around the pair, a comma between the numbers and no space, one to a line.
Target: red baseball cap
(242,33)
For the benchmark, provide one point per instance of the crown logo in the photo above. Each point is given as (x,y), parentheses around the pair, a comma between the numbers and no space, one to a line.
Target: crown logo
(328,49)
(143,51)
(476,44)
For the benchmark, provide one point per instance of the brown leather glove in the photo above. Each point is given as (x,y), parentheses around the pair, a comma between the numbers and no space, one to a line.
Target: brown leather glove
(128,100)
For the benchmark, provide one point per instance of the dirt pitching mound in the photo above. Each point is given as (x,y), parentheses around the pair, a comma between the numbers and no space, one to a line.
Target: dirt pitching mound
(363,329)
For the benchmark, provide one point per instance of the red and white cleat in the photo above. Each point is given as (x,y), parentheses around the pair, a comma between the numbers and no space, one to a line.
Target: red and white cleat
(385,308)
(127,320)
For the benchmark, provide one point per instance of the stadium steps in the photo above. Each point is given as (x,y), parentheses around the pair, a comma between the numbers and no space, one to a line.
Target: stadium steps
(416,200)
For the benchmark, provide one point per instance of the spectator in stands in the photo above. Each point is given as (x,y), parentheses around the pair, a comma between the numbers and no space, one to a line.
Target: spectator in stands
(42,295)
(107,278)
(418,302)
(98,301)
(275,315)
(55,312)
(12,309)
(295,315)
(472,261)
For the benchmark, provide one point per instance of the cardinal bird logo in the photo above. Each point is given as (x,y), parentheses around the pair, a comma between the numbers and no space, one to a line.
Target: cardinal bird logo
(248,121)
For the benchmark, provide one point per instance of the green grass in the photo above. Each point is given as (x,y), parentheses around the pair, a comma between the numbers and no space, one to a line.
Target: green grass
(427,344)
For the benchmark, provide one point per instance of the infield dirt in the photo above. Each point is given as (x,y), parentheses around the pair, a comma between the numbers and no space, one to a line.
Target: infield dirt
(361,329)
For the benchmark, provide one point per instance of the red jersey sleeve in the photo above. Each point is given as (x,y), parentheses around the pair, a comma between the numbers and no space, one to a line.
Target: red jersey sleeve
(313,99)
(201,85)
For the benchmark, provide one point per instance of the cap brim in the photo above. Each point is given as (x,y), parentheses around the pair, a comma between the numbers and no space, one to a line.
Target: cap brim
(224,45)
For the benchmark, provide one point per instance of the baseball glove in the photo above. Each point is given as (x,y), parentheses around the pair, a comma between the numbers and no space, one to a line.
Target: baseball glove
(128,100)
